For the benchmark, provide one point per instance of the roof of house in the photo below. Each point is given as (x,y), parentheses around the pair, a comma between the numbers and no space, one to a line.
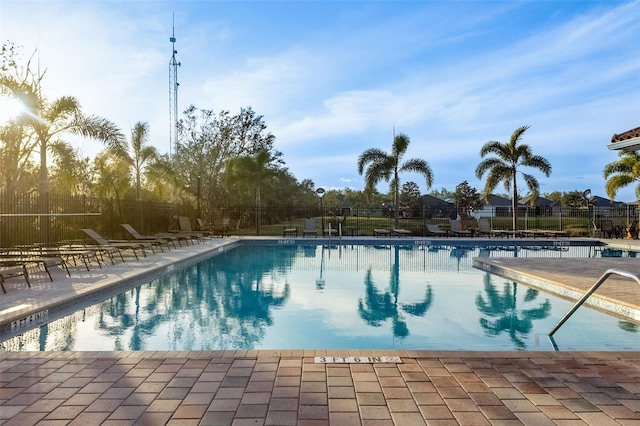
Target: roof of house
(629,140)
(496,200)
(601,201)
(630,134)
(541,202)
(431,200)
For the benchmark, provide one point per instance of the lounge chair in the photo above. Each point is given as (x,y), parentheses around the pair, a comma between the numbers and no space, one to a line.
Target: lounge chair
(120,245)
(309,228)
(11,272)
(68,253)
(289,232)
(456,229)
(330,231)
(19,257)
(399,232)
(184,225)
(205,229)
(380,232)
(155,240)
(435,231)
(484,228)
(606,227)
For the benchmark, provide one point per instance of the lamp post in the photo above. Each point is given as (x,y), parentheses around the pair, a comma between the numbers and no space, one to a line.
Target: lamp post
(320,192)
(198,192)
(586,194)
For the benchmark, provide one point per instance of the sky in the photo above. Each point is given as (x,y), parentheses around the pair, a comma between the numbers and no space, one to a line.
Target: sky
(334,78)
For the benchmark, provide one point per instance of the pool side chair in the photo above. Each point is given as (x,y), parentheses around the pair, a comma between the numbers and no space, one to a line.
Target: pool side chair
(380,232)
(309,228)
(184,225)
(25,256)
(206,230)
(456,228)
(329,232)
(159,241)
(69,254)
(290,232)
(399,232)
(120,245)
(484,228)
(11,272)
(224,230)
(435,231)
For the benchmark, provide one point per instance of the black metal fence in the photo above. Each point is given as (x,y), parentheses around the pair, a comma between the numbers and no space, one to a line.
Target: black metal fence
(27,218)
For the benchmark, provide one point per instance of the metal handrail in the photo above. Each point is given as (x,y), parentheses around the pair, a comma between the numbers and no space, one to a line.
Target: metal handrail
(593,288)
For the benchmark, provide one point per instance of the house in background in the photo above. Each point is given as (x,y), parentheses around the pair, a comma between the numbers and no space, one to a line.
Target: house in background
(542,207)
(496,206)
(431,206)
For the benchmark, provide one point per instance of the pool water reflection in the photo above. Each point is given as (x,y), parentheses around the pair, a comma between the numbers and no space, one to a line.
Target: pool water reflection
(336,297)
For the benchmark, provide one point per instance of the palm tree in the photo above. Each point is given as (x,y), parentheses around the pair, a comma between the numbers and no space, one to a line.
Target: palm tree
(388,166)
(623,172)
(504,313)
(50,120)
(504,167)
(138,154)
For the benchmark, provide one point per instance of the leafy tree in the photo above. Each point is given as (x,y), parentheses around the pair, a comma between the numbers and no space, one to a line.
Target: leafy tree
(624,172)
(383,166)
(443,193)
(208,141)
(467,198)
(16,168)
(554,196)
(410,196)
(70,173)
(114,177)
(574,199)
(504,167)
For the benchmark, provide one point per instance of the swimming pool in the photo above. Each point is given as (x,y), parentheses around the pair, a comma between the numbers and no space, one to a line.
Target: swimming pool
(338,296)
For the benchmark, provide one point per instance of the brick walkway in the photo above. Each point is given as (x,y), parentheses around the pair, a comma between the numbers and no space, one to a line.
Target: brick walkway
(288,388)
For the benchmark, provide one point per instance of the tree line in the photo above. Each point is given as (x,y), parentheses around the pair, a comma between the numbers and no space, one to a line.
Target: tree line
(225,159)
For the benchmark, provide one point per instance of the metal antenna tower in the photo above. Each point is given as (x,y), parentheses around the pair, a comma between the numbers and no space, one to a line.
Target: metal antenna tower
(173,95)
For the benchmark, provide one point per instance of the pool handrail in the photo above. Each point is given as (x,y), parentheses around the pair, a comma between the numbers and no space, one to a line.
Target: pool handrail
(593,288)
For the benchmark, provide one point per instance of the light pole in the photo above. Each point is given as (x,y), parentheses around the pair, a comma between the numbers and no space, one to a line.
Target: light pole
(586,194)
(320,192)
(198,192)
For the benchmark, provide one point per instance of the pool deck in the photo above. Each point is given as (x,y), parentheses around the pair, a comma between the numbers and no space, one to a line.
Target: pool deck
(287,387)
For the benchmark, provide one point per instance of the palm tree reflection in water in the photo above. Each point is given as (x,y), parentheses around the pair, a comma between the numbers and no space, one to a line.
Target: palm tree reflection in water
(202,307)
(505,313)
(376,307)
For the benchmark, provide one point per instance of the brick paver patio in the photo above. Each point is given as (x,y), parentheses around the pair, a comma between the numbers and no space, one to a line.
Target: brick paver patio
(288,388)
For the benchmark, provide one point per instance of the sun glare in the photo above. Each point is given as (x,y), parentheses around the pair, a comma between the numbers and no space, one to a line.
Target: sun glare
(10,108)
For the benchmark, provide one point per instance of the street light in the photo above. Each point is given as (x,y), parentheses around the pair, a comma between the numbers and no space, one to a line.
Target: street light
(320,192)
(586,195)
(198,197)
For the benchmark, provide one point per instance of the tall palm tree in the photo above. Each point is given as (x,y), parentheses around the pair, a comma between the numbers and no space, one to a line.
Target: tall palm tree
(50,120)
(138,154)
(505,166)
(389,166)
(623,172)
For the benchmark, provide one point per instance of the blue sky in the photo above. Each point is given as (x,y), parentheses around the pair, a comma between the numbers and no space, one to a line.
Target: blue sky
(335,78)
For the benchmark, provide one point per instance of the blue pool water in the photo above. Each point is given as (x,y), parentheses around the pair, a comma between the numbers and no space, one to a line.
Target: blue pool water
(296,296)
